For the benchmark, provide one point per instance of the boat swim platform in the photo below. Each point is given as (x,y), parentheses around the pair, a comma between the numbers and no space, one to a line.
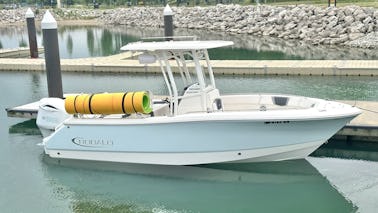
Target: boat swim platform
(124,63)
(362,128)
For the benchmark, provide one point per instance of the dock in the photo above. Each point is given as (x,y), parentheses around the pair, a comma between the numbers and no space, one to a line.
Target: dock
(22,52)
(125,62)
(365,126)
(29,110)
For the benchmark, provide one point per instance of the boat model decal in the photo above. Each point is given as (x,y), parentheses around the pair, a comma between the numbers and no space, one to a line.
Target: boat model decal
(92,142)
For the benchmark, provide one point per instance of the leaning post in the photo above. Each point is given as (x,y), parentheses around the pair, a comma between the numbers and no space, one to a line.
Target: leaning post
(29,15)
(52,59)
(168,23)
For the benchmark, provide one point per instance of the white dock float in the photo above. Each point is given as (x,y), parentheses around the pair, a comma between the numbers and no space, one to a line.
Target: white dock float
(21,52)
(25,111)
(123,63)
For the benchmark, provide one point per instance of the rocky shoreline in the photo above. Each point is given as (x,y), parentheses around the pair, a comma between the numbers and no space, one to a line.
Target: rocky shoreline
(344,26)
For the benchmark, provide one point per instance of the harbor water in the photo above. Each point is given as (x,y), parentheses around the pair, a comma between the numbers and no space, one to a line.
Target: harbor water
(92,41)
(32,182)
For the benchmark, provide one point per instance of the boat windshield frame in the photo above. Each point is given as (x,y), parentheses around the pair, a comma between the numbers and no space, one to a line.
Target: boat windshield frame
(182,54)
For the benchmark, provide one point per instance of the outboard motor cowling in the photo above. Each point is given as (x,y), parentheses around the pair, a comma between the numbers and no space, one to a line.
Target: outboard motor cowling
(51,113)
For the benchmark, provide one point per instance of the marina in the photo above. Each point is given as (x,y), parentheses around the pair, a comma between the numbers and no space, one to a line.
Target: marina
(72,185)
(53,179)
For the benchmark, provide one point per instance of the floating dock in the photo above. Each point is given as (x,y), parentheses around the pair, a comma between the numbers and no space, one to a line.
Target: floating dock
(17,53)
(124,62)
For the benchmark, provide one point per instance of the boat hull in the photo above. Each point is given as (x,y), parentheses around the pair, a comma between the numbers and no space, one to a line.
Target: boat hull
(189,143)
(288,152)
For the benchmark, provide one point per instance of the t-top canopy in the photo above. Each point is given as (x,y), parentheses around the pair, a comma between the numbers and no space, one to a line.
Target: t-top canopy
(175,45)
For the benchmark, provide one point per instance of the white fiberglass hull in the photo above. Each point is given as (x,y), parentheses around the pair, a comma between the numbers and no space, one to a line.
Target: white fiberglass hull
(288,152)
(183,142)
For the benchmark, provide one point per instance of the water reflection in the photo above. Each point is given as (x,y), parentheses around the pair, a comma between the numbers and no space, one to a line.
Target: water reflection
(361,150)
(69,44)
(265,47)
(291,186)
(27,127)
(106,42)
(22,42)
(90,41)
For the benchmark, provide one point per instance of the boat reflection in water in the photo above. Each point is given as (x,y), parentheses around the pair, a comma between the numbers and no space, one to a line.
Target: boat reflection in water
(27,127)
(288,186)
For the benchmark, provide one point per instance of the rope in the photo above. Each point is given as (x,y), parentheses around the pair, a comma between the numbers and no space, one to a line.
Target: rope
(368,110)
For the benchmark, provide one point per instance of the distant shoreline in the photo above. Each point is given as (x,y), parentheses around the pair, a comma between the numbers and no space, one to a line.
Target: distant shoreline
(349,26)
(88,22)
(76,22)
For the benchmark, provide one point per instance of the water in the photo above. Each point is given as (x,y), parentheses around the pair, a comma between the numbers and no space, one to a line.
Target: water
(32,182)
(89,41)
(327,87)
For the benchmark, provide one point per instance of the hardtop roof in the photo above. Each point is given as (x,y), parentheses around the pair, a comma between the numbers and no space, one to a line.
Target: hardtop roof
(175,45)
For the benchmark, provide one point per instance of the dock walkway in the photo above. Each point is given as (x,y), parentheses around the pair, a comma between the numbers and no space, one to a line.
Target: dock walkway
(123,63)
(21,52)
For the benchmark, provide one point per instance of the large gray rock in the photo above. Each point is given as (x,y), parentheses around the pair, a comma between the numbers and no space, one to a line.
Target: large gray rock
(349,20)
(354,36)
(340,25)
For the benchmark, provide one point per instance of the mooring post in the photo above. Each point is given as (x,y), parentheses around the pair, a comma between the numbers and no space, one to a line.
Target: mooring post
(329,3)
(31,33)
(52,58)
(168,23)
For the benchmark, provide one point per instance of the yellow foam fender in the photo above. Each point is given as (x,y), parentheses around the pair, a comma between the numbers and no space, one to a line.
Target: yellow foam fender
(128,103)
(69,104)
(81,104)
(141,102)
(109,103)
(101,104)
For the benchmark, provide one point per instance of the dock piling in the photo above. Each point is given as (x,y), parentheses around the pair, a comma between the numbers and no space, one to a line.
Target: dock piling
(29,15)
(168,23)
(52,58)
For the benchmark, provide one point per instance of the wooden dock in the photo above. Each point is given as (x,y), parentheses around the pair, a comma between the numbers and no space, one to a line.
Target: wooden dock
(124,63)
